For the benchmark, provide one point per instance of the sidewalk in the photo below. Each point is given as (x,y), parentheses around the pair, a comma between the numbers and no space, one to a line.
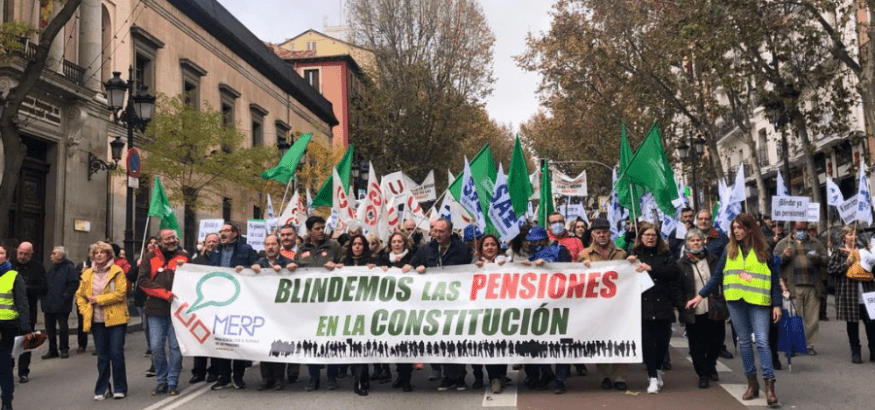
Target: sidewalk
(135,325)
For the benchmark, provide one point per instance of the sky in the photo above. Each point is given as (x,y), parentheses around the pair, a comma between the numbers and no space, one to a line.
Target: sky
(513,99)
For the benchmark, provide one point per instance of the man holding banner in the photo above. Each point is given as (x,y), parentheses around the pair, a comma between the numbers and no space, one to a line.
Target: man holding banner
(445,250)
(317,250)
(232,253)
(156,280)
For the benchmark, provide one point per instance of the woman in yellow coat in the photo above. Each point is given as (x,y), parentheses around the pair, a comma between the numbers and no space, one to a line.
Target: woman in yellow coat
(102,301)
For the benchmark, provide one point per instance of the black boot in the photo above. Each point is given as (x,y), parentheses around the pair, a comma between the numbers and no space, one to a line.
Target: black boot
(855,355)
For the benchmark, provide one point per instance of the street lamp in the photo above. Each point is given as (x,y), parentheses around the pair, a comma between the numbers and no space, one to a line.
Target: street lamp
(360,171)
(137,113)
(96,165)
(692,155)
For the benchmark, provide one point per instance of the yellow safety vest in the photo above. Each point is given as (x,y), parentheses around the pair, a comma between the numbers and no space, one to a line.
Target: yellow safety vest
(7,300)
(747,279)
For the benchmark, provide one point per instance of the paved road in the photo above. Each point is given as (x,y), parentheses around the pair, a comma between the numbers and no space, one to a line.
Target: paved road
(825,381)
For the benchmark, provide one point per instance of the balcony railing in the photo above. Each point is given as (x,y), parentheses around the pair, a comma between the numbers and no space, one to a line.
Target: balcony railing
(75,73)
(27,50)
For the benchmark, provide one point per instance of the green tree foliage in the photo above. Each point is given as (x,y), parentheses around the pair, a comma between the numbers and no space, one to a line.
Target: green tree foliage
(199,159)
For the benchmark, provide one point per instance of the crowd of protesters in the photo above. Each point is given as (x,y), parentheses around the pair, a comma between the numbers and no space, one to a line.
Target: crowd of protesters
(702,277)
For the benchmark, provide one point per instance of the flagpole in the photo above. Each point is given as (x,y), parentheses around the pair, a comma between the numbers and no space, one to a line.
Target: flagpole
(633,209)
(429,210)
(283,203)
(143,246)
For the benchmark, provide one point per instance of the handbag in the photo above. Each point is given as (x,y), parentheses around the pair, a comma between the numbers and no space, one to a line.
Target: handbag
(856,270)
(717,309)
(791,332)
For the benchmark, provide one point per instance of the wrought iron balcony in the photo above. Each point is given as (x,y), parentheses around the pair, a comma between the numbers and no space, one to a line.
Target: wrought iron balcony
(27,50)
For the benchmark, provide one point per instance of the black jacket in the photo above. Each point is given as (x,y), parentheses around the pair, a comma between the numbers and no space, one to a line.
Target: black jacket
(62,280)
(34,275)
(690,278)
(384,260)
(458,253)
(243,255)
(659,302)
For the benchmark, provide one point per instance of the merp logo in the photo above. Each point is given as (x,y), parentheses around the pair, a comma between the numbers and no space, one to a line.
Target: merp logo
(216,285)
(219,285)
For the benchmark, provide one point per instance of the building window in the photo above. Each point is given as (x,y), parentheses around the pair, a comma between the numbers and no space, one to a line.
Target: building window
(145,47)
(191,79)
(226,209)
(282,131)
(312,77)
(311,45)
(256,212)
(258,113)
(762,148)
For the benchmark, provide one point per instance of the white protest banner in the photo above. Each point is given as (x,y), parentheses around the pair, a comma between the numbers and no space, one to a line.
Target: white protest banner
(256,231)
(790,208)
(566,186)
(396,184)
(869,301)
(501,209)
(208,226)
(426,191)
(458,314)
(571,212)
(813,212)
(848,210)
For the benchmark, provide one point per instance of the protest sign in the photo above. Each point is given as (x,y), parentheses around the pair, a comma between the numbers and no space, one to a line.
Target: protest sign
(256,231)
(869,301)
(566,186)
(813,212)
(790,208)
(208,226)
(848,210)
(558,313)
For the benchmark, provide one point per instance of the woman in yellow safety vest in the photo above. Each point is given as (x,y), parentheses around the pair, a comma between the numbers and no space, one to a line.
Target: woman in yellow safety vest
(751,286)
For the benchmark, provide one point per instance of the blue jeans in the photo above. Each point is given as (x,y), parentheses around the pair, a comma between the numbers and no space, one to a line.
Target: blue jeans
(110,345)
(167,367)
(750,319)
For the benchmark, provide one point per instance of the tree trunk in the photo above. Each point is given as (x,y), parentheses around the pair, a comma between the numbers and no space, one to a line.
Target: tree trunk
(189,219)
(810,171)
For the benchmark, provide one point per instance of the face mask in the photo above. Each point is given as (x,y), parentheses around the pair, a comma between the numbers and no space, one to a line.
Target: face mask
(800,235)
(557,228)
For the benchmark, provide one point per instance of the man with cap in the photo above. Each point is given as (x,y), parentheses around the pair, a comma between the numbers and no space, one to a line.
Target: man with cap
(613,375)
(543,250)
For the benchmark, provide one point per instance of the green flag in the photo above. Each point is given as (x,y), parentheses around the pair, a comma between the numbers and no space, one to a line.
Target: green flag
(518,180)
(629,196)
(650,168)
(160,208)
(545,208)
(285,170)
(324,197)
(484,172)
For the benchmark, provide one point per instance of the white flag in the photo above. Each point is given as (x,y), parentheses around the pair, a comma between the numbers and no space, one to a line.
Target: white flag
(781,188)
(345,212)
(469,198)
(615,211)
(834,195)
(271,221)
(396,184)
(864,200)
(501,209)
(371,208)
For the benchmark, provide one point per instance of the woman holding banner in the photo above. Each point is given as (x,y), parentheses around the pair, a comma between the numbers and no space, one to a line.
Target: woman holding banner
(490,252)
(849,299)
(658,302)
(751,286)
(358,254)
(398,255)
(703,323)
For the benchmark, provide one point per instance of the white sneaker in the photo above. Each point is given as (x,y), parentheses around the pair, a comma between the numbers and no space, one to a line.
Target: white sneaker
(99,397)
(659,374)
(653,388)
(118,395)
